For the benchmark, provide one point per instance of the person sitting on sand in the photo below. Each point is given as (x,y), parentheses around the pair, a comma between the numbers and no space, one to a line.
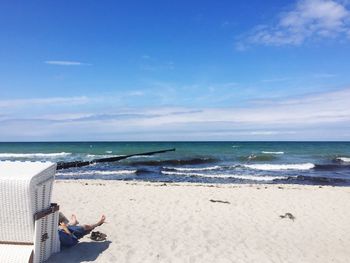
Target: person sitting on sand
(70,231)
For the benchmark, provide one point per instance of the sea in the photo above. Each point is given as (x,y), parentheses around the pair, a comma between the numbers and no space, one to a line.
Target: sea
(315,163)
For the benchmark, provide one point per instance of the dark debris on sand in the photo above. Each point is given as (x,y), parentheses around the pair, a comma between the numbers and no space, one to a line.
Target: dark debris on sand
(288,215)
(219,201)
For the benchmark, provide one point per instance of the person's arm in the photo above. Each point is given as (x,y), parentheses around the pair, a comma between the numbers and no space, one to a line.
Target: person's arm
(64,227)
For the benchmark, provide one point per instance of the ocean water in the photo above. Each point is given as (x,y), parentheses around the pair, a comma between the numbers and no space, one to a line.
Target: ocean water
(320,163)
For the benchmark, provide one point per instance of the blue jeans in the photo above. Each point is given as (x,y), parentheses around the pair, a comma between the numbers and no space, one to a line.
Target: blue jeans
(69,240)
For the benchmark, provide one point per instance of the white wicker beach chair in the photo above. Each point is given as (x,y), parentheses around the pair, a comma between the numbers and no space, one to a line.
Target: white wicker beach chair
(28,220)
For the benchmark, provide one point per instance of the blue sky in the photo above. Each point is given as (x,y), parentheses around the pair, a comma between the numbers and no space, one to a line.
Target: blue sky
(174,70)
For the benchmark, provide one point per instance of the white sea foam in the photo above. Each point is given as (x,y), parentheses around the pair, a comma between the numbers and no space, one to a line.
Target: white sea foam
(344,159)
(101,156)
(266,152)
(198,174)
(119,172)
(141,156)
(185,169)
(243,177)
(109,151)
(276,167)
(259,178)
(33,155)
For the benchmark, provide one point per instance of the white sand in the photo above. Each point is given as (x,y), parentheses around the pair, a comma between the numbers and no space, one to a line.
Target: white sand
(178,223)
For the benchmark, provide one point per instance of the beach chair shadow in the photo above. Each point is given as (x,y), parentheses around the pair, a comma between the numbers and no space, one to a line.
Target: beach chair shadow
(83,251)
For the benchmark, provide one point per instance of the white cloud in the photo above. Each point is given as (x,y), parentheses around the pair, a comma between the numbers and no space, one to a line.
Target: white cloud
(43,101)
(317,109)
(310,19)
(324,114)
(66,63)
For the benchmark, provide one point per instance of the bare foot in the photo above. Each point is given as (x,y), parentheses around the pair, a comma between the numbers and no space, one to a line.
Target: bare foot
(102,220)
(73,220)
(92,227)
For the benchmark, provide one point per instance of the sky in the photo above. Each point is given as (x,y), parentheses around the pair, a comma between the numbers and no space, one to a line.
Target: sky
(174,70)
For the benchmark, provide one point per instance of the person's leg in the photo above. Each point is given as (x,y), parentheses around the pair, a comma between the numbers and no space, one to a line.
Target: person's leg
(73,220)
(89,228)
(77,231)
(67,240)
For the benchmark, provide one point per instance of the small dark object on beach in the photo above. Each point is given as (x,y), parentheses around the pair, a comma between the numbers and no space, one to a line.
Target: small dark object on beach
(219,201)
(98,236)
(288,215)
(280,187)
(86,184)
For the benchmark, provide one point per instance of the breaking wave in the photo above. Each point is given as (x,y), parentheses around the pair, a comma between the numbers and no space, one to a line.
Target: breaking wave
(186,169)
(343,159)
(119,172)
(100,156)
(34,155)
(233,176)
(266,152)
(277,167)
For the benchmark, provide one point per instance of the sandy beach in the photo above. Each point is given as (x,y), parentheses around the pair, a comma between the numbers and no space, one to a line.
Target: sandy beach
(156,222)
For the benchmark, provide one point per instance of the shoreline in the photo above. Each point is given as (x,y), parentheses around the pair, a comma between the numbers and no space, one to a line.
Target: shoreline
(195,184)
(190,222)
